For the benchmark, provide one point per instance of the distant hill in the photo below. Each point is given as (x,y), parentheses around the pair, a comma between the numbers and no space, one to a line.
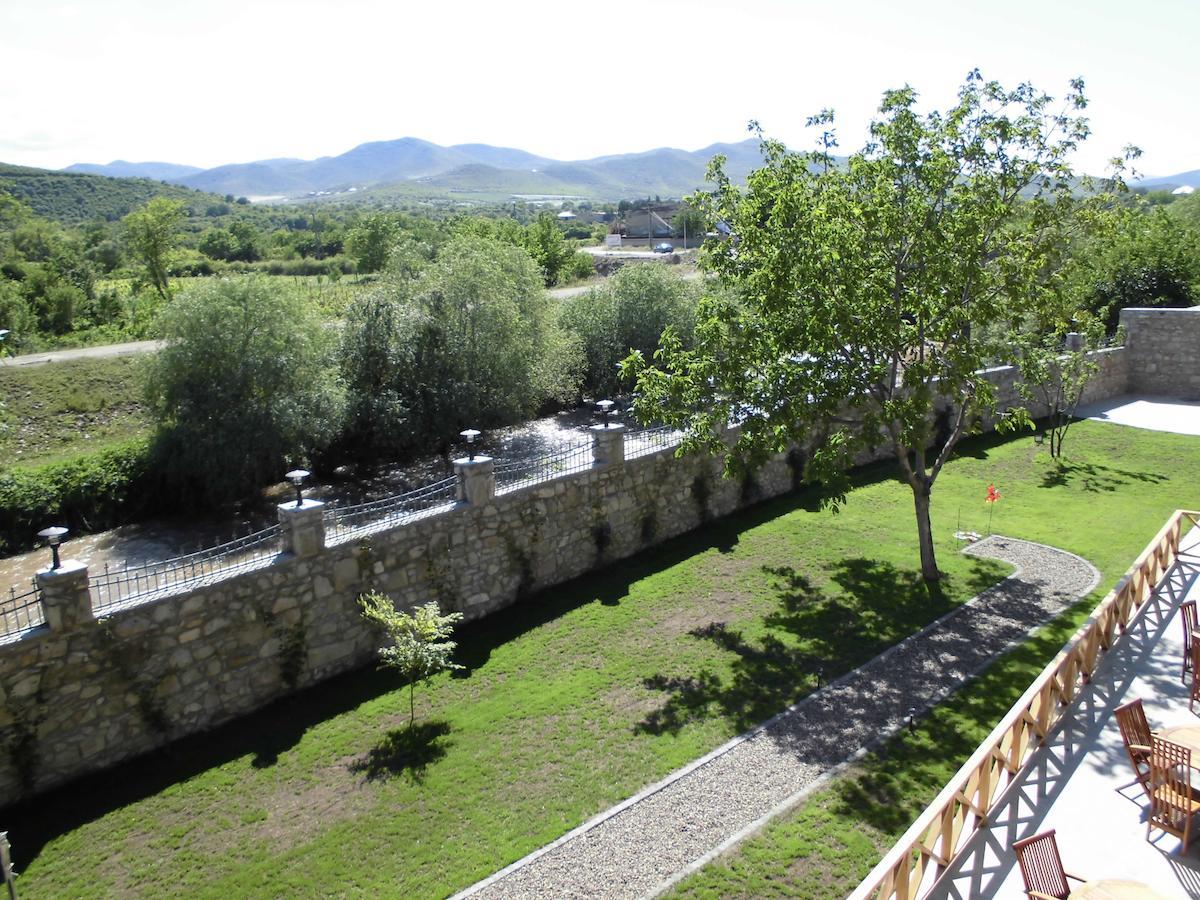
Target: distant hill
(1170,182)
(119,168)
(73,197)
(410,165)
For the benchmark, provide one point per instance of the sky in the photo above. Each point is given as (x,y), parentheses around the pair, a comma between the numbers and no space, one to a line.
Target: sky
(208,82)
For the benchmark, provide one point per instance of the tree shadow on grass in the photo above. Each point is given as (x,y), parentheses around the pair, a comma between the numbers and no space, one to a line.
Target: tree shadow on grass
(1096,478)
(404,751)
(812,636)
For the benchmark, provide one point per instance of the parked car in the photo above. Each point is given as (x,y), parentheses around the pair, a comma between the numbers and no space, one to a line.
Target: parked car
(664,247)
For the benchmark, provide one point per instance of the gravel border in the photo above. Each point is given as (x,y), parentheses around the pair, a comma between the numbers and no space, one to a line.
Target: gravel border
(644,845)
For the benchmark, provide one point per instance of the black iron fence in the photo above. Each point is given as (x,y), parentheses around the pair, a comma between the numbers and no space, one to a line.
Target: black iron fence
(348,522)
(21,611)
(522,473)
(118,586)
(650,440)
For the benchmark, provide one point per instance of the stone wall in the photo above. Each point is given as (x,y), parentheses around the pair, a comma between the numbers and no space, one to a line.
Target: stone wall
(1165,343)
(81,694)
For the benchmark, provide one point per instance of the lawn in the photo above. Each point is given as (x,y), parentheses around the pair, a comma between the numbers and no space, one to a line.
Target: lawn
(579,697)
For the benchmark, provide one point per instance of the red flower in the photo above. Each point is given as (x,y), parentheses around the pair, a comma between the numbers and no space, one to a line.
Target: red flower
(992,495)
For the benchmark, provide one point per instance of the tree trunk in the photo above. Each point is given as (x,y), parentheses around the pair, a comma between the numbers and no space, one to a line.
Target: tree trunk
(921,490)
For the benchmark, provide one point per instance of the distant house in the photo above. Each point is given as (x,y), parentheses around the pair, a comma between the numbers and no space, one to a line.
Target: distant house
(650,222)
(1183,189)
(566,215)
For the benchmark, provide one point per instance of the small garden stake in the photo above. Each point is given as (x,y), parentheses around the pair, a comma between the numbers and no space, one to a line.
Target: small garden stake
(993,496)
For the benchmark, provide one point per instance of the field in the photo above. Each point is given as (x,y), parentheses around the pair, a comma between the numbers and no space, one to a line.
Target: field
(571,702)
(55,411)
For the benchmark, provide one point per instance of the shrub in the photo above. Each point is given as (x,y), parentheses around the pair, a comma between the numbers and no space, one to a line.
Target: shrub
(244,388)
(93,492)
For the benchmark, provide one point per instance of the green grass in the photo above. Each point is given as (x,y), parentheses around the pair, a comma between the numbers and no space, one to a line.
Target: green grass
(60,410)
(577,698)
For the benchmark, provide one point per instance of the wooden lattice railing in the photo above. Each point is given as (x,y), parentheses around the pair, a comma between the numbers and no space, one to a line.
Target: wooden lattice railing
(927,848)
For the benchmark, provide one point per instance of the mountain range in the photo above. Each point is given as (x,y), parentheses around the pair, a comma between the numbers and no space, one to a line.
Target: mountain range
(463,168)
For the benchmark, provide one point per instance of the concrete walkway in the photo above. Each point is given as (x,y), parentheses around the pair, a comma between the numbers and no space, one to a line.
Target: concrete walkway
(642,846)
(1152,413)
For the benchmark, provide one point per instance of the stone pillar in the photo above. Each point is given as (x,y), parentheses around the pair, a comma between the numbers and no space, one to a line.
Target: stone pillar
(608,444)
(65,596)
(476,480)
(303,527)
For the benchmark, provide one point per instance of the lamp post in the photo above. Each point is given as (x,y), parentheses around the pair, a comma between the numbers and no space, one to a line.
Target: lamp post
(53,536)
(469,436)
(605,407)
(296,477)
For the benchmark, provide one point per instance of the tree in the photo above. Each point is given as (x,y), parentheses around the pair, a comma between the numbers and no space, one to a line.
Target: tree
(372,240)
(419,641)
(1054,375)
(866,293)
(470,340)
(1138,256)
(689,225)
(628,312)
(244,388)
(152,233)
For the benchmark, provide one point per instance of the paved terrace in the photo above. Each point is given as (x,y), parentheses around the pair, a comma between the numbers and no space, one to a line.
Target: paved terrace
(1081,782)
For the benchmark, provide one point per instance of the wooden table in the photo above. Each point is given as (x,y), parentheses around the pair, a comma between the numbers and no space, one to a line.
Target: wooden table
(1186,736)
(1116,889)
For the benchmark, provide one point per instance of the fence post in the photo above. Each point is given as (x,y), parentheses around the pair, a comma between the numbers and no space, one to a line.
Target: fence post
(608,444)
(66,597)
(303,527)
(476,480)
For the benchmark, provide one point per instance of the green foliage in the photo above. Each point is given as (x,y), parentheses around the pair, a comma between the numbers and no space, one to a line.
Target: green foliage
(628,313)
(469,341)
(152,234)
(371,242)
(240,242)
(73,198)
(863,293)
(244,387)
(419,641)
(1053,376)
(1138,257)
(87,493)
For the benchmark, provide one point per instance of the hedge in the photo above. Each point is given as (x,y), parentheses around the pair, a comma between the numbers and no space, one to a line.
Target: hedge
(87,493)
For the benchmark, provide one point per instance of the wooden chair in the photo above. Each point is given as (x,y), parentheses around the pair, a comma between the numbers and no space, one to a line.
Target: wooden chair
(1189,617)
(1172,803)
(1135,732)
(1193,652)
(1042,867)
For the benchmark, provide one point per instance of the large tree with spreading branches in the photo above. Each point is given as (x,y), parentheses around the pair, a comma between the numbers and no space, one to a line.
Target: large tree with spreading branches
(866,294)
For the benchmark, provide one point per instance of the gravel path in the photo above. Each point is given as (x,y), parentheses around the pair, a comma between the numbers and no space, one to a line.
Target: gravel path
(645,844)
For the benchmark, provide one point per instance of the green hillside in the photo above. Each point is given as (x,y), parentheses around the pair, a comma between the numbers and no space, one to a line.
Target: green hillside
(72,198)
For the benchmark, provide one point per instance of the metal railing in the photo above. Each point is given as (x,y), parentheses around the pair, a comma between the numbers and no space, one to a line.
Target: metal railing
(20,612)
(930,845)
(116,587)
(650,440)
(122,585)
(514,475)
(347,522)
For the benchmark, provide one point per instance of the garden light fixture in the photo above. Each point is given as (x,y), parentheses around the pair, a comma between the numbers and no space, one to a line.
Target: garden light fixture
(605,407)
(296,477)
(53,536)
(469,435)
